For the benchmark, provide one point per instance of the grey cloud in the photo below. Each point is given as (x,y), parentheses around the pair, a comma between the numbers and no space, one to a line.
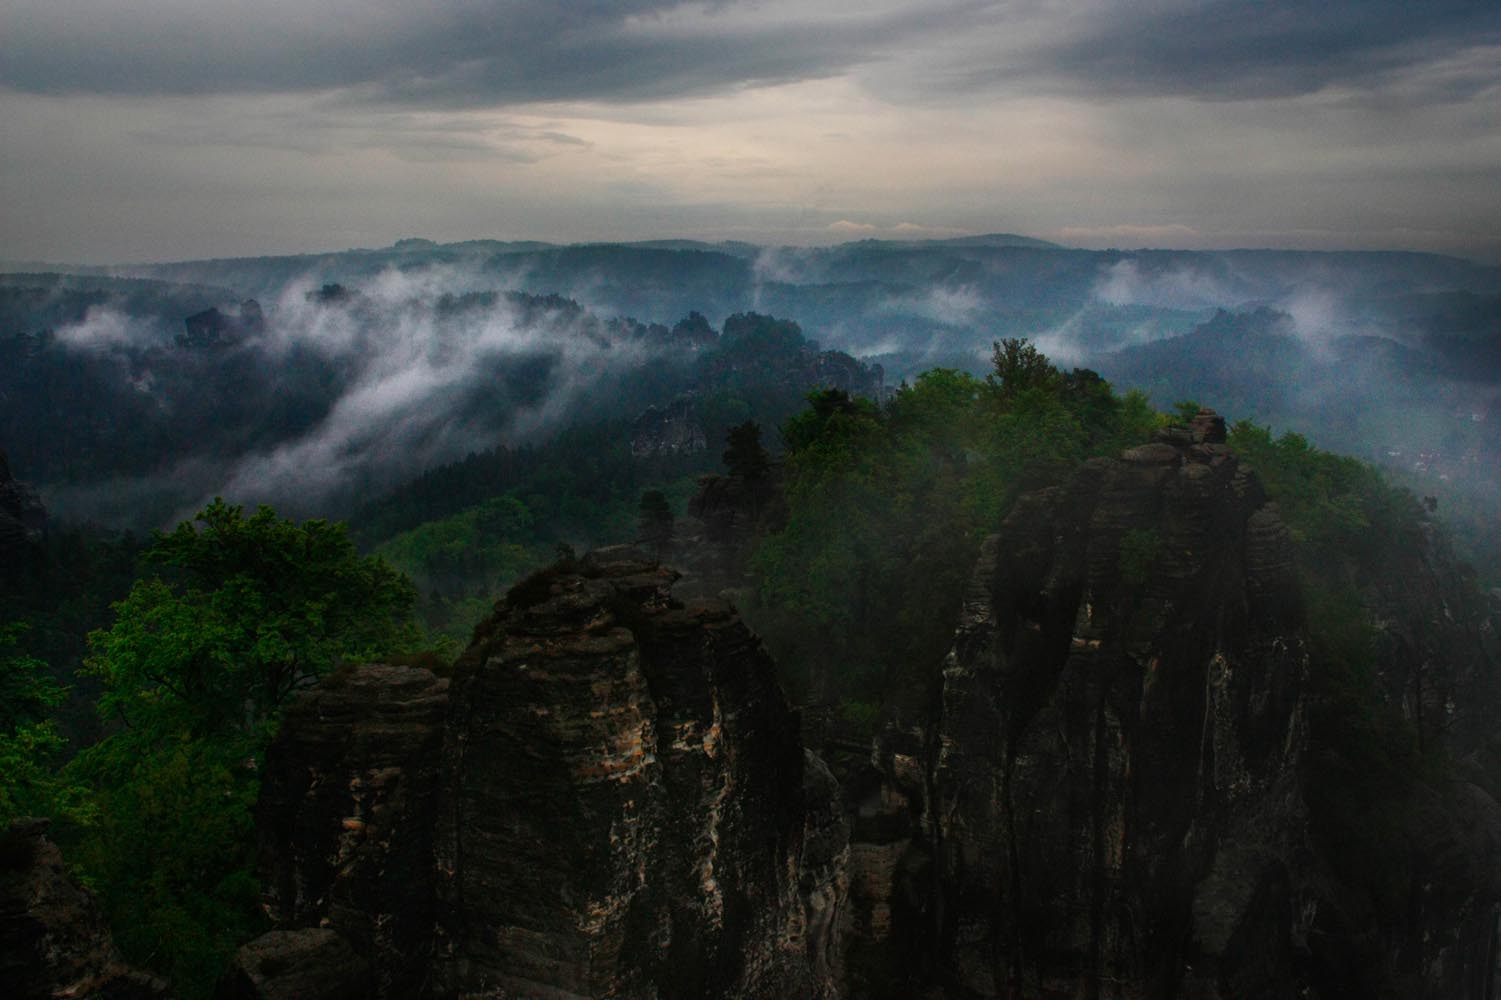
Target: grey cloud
(1233,49)
(475,53)
(329,128)
(490,52)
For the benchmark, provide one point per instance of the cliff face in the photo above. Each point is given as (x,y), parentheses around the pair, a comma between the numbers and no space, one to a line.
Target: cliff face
(623,802)
(1116,804)
(675,430)
(712,544)
(53,939)
(609,797)
(346,817)
(1131,784)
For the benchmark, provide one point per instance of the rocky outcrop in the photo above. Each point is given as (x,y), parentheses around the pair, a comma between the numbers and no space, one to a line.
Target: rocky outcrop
(674,430)
(761,350)
(53,939)
(712,543)
(1126,788)
(1117,807)
(346,816)
(213,328)
(309,964)
(623,809)
(607,798)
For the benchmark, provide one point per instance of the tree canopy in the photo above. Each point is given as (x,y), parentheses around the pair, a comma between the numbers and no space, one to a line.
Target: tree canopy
(241,612)
(887,503)
(244,611)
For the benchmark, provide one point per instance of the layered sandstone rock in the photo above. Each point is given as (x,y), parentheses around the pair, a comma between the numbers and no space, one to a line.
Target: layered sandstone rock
(1121,727)
(53,939)
(712,544)
(309,964)
(1116,784)
(346,816)
(1124,783)
(608,798)
(623,809)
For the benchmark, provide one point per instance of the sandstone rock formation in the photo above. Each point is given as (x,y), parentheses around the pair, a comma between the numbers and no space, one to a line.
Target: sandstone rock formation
(53,939)
(1119,789)
(346,816)
(711,545)
(309,964)
(673,430)
(1123,792)
(608,797)
(212,329)
(1115,783)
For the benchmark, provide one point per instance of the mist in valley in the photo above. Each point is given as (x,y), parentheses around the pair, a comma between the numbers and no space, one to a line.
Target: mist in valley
(361,369)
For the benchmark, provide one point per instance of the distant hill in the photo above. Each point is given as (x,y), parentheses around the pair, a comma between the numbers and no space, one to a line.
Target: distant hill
(983,240)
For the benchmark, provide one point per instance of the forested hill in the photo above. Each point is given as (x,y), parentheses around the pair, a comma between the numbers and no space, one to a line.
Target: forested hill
(1252,664)
(133,401)
(321,382)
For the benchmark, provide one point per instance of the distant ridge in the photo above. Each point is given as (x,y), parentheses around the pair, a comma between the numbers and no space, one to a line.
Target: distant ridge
(983,241)
(991,240)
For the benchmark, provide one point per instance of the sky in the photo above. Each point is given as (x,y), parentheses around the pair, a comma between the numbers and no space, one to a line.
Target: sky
(141,130)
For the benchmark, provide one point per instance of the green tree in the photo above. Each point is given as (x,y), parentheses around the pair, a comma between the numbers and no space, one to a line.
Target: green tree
(859,590)
(1018,366)
(29,740)
(244,611)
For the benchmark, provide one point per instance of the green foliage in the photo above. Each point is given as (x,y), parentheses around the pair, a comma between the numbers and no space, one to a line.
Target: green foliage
(1019,366)
(29,739)
(1135,421)
(1186,410)
(248,610)
(860,716)
(1340,510)
(1370,783)
(461,564)
(859,591)
(1365,763)
(244,611)
(171,851)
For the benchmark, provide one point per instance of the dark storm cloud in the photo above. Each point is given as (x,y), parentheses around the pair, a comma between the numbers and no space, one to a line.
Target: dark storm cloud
(1240,50)
(457,53)
(488,52)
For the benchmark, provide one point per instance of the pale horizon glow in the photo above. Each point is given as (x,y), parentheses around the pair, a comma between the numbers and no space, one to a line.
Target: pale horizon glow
(194,130)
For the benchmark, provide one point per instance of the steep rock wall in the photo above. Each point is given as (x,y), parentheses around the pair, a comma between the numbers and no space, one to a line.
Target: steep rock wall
(623,807)
(345,816)
(1115,786)
(607,798)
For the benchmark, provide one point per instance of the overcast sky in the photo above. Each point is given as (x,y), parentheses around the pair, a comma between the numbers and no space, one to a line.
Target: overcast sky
(166,129)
